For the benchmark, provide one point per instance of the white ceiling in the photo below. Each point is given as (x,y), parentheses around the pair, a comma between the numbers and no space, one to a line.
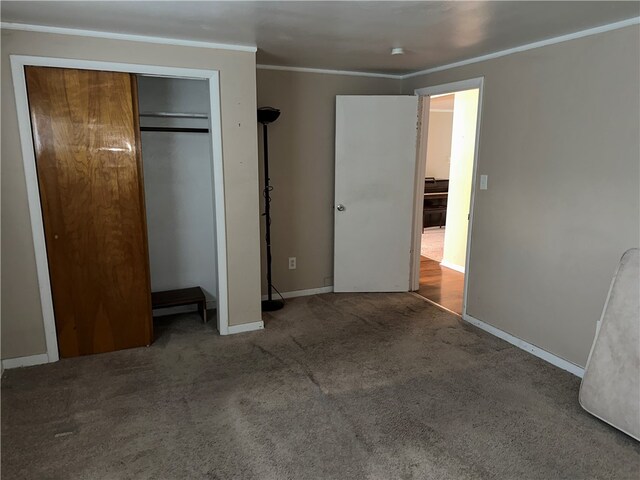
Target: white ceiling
(337,35)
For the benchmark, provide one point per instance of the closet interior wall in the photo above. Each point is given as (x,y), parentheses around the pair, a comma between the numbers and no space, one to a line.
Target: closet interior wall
(178,185)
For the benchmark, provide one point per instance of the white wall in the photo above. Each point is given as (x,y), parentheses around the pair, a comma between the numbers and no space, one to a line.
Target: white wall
(463,139)
(178,187)
(439,144)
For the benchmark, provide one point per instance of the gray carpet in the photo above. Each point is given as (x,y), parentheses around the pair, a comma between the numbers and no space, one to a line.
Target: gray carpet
(346,386)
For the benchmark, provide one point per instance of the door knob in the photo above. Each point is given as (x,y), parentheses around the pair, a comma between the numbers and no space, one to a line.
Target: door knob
(340,207)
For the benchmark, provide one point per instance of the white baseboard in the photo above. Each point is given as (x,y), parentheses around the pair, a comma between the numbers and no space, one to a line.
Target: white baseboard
(29,361)
(302,293)
(526,346)
(161,312)
(452,266)
(245,327)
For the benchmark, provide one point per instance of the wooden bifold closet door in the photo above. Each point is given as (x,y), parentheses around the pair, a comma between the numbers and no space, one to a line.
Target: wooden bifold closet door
(87,146)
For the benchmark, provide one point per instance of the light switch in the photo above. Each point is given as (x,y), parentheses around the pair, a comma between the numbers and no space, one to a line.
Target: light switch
(483,182)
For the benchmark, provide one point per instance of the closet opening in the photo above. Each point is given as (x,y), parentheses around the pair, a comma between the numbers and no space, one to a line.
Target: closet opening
(124,174)
(178,171)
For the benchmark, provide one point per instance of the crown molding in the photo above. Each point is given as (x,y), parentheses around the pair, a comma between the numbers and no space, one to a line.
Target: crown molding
(328,71)
(522,48)
(125,36)
(530,46)
(249,48)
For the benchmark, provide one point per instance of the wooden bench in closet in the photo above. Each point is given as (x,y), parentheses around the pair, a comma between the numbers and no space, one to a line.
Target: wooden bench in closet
(179,298)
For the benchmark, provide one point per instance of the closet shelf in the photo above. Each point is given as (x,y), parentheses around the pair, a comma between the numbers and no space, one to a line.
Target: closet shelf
(174,115)
(174,129)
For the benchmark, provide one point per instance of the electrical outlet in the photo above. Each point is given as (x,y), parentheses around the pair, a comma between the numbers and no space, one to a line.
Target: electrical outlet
(292,263)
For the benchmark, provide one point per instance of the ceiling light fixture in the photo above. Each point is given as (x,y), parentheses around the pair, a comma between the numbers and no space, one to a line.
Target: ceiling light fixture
(397,51)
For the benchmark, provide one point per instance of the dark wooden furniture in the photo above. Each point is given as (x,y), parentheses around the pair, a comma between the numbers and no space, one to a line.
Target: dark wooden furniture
(86,140)
(180,297)
(434,210)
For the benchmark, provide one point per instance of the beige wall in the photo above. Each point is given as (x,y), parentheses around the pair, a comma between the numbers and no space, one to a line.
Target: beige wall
(439,144)
(22,328)
(556,217)
(301,166)
(463,143)
(559,140)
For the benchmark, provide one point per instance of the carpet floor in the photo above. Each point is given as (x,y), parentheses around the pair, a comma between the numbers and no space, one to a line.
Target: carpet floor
(432,243)
(338,386)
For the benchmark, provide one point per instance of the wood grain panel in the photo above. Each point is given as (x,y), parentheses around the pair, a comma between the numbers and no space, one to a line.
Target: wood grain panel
(86,140)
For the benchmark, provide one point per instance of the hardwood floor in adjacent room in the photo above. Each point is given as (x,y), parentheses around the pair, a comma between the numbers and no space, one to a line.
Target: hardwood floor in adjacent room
(441,285)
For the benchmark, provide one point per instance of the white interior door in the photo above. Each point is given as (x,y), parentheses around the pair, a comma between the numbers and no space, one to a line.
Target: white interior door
(374,192)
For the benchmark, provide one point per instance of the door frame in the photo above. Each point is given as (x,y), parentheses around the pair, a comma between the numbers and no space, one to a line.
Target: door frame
(443,89)
(18,62)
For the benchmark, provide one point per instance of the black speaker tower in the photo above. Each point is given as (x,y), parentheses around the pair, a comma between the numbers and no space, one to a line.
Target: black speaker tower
(266,115)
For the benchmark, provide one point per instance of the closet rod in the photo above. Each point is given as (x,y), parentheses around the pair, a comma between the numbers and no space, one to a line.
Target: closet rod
(174,129)
(174,115)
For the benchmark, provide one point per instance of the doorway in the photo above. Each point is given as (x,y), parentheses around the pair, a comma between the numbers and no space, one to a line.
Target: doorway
(448,154)
(378,222)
